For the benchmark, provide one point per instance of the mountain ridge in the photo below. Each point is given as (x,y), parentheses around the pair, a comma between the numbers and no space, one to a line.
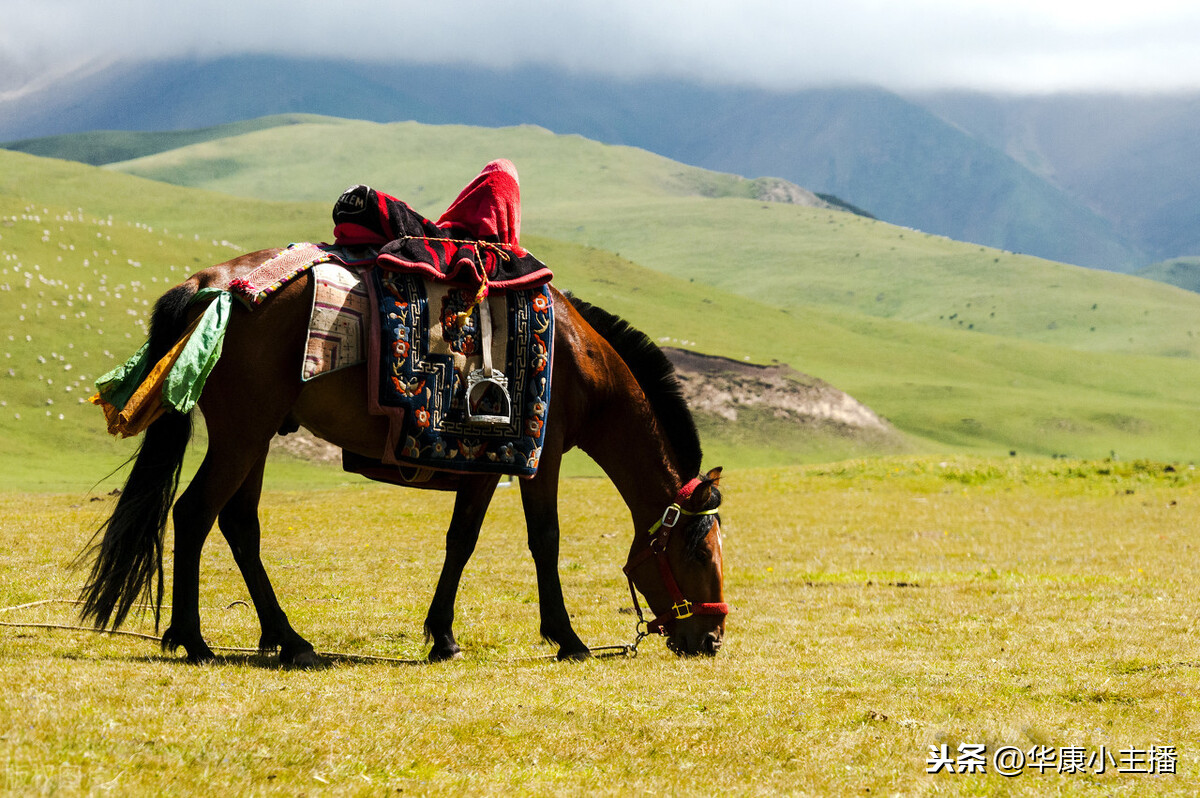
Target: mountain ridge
(870,148)
(1131,158)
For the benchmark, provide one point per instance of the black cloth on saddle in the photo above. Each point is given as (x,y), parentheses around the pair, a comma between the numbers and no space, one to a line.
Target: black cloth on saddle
(409,242)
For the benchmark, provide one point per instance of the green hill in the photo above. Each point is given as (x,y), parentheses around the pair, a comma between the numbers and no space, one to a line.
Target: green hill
(99,147)
(701,225)
(84,252)
(1181,272)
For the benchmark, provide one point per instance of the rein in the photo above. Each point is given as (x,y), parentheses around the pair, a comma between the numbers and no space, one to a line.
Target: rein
(660,535)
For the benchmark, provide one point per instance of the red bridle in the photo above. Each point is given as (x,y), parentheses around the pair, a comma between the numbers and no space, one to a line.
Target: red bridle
(660,535)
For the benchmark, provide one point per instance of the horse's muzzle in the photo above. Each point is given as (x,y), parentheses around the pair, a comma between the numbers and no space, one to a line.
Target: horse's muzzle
(688,645)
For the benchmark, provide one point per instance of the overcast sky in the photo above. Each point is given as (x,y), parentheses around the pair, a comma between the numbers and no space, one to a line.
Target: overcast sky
(1011,45)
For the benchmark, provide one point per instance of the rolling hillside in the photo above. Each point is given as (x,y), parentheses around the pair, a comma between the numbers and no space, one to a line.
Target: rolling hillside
(700,225)
(83,255)
(99,147)
(84,251)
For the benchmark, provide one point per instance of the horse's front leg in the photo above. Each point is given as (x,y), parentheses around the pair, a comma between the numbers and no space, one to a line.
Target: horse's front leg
(539,496)
(470,505)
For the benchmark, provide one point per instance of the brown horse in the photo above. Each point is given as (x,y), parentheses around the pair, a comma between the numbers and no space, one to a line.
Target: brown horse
(615,396)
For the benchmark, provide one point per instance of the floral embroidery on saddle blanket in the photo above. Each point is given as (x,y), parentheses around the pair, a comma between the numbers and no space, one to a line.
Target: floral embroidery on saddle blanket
(425,358)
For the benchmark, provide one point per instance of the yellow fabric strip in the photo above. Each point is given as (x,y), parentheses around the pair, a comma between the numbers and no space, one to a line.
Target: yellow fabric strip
(146,403)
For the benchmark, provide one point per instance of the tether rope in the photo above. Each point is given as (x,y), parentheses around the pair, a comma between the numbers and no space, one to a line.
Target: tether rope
(598,651)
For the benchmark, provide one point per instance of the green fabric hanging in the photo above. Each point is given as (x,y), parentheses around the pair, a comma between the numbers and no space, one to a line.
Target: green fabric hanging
(186,379)
(116,386)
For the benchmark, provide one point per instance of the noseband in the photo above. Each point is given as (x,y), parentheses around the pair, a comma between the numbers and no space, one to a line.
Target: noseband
(660,536)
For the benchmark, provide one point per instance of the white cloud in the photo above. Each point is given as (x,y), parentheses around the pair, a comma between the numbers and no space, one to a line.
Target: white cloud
(1030,45)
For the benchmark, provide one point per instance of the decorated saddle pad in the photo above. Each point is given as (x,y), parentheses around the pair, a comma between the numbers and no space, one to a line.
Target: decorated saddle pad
(421,356)
(337,335)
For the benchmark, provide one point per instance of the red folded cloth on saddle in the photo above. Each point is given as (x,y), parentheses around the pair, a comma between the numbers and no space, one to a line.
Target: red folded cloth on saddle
(475,242)
(489,208)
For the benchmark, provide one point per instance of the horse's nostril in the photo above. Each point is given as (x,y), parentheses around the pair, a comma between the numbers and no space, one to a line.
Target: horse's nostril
(711,644)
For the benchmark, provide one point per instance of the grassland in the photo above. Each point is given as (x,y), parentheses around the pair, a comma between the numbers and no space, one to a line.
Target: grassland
(880,607)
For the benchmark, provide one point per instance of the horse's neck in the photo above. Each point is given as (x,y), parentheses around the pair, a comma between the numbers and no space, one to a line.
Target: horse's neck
(629,446)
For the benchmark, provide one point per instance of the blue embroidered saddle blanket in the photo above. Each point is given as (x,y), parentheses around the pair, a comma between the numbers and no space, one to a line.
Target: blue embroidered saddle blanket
(418,360)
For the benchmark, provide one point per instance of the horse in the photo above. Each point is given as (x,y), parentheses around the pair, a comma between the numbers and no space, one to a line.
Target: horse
(615,396)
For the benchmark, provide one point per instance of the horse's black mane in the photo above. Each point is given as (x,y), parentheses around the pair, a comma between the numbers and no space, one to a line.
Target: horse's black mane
(656,375)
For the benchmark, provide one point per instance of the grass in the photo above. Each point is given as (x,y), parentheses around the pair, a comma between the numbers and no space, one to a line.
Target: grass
(880,607)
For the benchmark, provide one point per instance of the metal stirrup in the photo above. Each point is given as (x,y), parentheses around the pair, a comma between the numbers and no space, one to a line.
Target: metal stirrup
(484,381)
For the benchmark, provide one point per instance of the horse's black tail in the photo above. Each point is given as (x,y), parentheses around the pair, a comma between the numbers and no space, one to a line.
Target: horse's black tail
(128,547)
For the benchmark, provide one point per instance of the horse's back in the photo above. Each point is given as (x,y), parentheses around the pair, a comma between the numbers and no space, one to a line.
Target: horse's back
(221,275)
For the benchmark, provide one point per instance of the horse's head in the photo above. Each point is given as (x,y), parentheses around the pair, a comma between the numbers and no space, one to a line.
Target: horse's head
(679,568)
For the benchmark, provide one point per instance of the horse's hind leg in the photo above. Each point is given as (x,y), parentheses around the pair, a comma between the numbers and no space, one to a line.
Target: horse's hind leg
(238,522)
(194,514)
(227,464)
(245,400)
(474,496)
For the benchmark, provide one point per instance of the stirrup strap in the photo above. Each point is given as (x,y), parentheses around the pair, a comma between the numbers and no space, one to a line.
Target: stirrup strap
(485,334)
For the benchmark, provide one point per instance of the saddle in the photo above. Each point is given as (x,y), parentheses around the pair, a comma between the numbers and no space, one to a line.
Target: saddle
(460,331)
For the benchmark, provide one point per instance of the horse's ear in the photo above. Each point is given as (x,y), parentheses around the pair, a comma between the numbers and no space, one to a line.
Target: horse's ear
(703,493)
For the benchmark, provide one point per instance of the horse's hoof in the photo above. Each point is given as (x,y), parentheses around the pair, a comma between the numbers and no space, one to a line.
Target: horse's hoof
(445,654)
(197,650)
(199,655)
(575,655)
(303,659)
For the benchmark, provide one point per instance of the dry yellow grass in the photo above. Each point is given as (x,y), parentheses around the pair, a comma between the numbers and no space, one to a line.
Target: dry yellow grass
(880,608)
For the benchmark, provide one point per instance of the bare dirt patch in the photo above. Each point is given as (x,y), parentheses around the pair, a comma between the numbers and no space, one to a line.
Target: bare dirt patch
(727,388)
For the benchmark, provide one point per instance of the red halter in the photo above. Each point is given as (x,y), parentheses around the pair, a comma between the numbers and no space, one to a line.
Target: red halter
(660,535)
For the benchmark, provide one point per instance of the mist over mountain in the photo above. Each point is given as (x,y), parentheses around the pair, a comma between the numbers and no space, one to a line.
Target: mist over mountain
(1133,159)
(1032,176)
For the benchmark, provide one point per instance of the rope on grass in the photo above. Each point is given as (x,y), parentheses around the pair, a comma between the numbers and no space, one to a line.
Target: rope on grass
(599,651)
(74,628)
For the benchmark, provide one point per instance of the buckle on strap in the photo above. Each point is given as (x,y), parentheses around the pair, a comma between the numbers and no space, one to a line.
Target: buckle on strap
(682,609)
(670,516)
